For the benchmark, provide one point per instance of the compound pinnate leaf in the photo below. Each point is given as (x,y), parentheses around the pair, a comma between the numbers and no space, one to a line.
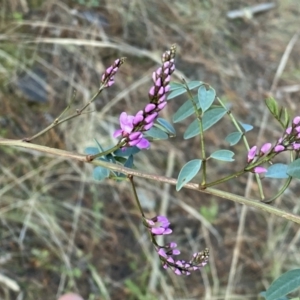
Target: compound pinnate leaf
(210,117)
(277,171)
(206,97)
(165,124)
(233,138)
(224,155)
(100,173)
(188,172)
(293,169)
(283,285)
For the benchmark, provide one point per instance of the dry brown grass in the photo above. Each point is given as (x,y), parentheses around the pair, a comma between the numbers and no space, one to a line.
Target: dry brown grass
(62,231)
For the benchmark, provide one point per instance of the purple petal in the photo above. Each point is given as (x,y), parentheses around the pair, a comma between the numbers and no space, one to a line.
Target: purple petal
(149,107)
(143,144)
(151,118)
(148,126)
(161,105)
(265,148)
(279,148)
(117,133)
(251,153)
(288,130)
(259,170)
(296,120)
(135,136)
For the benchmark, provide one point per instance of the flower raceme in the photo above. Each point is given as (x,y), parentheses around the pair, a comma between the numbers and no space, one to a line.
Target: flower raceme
(159,225)
(290,141)
(132,127)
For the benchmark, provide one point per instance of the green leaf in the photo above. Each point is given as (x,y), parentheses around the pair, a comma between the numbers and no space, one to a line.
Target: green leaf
(287,118)
(176,93)
(210,117)
(233,138)
(91,150)
(272,106)
(100,173)
(246,127)
(185,110)
(188,172)
(224,155)
(175,86)
(129,162)
(194,84)
(127,151)
(293,169)
(206,97)
(156,134)
(164,123)
(283,285)
(277,171)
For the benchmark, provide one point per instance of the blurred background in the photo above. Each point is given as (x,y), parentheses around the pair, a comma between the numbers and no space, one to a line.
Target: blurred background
(62,231)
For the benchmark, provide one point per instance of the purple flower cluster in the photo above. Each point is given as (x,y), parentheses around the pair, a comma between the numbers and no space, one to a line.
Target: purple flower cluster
(108,76)
(289,142)
(159,225)
(132,127)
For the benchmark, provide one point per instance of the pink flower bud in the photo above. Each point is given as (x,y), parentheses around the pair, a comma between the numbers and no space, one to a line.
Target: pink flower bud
(288,130)
(259,170)
(265,148)
(296,120)
(251,153)
(279,148)
(149,107)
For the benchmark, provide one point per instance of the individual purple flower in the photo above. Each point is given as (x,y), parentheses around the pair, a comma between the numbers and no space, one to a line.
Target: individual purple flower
(265,148)
(158,225)
(252,153)
(126,124)
(259,170)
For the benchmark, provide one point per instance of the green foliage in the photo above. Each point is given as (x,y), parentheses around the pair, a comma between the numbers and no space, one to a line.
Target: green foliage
(277,171)
(283,285)
(188,172)
(233,138)
(280,114)
(206,97)
(210,117)
(293,169)
(224,155)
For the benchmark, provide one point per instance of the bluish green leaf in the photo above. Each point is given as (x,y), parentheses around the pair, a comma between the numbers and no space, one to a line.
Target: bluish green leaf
(263,294)
(185,110)
(99,146)
(129,162)
(294,168)
(169,127)
(194,84)
(277,171)
(188,172)
(206,97)
(210,117)
(247,127)
(283,285)
(91,150)
(127,152)
(176,93)
(233,138)
(156,134)
(175,85)
(224,155)
(100,173)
